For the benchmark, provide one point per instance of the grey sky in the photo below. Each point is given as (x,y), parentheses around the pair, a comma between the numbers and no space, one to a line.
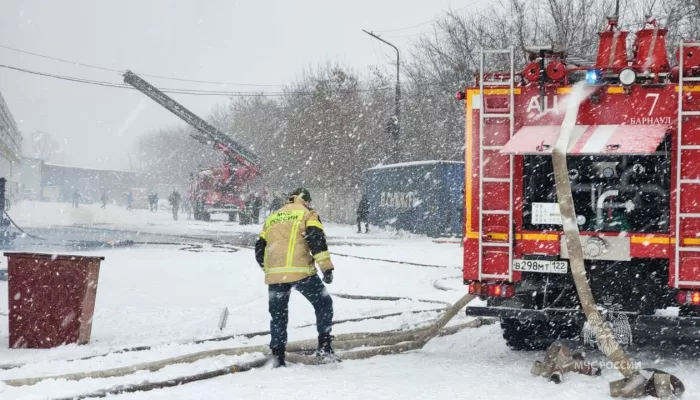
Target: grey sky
(264,42)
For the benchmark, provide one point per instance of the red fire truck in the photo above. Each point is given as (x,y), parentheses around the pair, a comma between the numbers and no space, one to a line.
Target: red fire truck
(222,189)
(212,190)
(634,166)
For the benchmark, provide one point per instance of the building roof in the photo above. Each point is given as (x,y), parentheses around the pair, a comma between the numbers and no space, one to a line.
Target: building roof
(413,163)
(89,169)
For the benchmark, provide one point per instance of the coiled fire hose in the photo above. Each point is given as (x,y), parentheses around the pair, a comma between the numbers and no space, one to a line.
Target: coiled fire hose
(636,383)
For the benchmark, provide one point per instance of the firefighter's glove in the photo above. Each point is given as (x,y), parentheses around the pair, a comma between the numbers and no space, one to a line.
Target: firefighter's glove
(328,276)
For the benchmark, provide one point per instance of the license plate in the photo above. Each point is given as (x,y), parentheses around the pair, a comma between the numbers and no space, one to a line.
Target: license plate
(542,266)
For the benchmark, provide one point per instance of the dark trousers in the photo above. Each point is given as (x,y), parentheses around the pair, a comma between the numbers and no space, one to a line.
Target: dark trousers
(256,215)
(312,288)
(361,219)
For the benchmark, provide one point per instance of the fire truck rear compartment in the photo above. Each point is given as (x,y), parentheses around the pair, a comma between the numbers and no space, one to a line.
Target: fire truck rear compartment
(611,194)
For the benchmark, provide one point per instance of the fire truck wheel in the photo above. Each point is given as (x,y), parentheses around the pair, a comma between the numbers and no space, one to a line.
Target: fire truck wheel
(206,216)
(524,335)
(231,216)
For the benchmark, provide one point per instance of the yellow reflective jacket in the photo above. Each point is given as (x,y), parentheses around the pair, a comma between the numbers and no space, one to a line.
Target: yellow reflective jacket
(291,240)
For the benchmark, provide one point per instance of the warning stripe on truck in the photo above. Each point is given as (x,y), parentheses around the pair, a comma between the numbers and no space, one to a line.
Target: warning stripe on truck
(638,239)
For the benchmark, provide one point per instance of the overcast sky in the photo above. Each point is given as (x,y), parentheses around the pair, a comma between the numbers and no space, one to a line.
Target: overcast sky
(254,41)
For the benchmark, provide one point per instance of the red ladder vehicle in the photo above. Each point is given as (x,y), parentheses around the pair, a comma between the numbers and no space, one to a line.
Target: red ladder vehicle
(212,190)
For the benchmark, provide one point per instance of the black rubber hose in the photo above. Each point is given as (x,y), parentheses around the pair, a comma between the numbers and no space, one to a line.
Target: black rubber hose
(22,230)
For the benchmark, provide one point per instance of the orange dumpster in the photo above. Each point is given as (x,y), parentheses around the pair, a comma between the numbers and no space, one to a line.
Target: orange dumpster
(51,299)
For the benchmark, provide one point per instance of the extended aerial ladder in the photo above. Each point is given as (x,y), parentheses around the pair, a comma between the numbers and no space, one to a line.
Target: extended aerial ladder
(207,133)
(240,164)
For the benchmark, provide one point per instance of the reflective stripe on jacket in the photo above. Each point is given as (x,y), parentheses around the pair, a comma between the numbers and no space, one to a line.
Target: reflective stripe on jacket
(287,256)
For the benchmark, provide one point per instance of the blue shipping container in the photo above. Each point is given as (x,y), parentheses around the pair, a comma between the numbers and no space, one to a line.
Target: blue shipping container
(424,197)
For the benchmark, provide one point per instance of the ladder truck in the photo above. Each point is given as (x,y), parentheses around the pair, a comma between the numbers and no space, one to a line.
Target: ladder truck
(634,167)
(212,190)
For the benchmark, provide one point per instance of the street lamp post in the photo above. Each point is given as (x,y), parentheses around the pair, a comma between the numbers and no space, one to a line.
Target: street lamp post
(396,123)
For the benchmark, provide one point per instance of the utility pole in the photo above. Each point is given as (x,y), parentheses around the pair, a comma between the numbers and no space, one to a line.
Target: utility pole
(395,125)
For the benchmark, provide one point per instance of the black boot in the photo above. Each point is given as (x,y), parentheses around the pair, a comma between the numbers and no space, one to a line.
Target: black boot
(278,357)
(325,350)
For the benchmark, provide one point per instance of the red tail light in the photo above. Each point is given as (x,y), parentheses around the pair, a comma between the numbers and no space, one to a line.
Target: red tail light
(478,289)
(691,297)
(495,290)
(510,291)
(484,289)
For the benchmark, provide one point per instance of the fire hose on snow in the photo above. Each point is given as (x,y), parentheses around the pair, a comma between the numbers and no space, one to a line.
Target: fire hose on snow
(251,335)
(636,382)
(380,343)
(224,246)
(242,367)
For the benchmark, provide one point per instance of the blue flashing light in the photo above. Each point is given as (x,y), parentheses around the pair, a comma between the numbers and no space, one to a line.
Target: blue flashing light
(593,76)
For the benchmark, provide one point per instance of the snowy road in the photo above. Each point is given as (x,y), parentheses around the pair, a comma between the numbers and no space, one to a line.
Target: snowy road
(162,295)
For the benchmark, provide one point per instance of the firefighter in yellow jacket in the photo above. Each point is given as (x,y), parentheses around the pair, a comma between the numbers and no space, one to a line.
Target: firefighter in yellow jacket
(292,241)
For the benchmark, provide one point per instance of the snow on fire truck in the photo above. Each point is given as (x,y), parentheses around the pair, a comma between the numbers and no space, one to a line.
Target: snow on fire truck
(211,190)
(634,166)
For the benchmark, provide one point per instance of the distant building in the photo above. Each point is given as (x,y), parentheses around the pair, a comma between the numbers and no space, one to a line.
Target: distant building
(59,182)
(30,178)
(10,149)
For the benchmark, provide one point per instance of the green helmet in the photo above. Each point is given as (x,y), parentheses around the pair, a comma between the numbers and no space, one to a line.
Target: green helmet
(304,194)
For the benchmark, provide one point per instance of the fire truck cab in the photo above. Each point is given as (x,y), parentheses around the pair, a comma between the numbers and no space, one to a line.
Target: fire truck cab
(222,189)
(634,166)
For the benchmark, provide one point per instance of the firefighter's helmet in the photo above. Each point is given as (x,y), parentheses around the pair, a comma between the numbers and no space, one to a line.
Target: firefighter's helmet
(303,193)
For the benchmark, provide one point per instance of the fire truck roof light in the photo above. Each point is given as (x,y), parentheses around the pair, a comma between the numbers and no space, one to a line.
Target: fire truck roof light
(593,76)
(460,96)
(628,76)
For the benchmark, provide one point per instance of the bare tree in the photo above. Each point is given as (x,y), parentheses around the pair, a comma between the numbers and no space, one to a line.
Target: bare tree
(331,123)
(44,146)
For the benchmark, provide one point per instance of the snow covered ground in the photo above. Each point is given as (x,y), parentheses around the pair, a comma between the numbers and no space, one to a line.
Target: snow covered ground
(164,296)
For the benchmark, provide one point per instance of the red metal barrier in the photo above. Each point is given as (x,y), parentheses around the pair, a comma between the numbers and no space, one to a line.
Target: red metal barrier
(51,298)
